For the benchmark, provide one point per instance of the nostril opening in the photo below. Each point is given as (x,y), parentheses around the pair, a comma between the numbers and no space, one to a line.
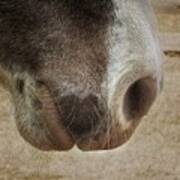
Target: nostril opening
(20,85)
(139,98)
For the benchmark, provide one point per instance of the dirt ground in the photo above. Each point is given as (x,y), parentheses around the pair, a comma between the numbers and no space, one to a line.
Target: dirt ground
(153,153)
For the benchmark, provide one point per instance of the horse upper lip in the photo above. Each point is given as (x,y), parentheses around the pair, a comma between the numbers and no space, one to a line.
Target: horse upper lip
(62,138)
(52,115)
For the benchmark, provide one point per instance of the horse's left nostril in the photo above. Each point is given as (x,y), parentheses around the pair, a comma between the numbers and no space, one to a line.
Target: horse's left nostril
(81,116)
(139,98)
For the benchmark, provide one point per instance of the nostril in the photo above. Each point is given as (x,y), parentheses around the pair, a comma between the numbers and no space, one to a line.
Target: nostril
(81,116)
(139,98)
(20,86)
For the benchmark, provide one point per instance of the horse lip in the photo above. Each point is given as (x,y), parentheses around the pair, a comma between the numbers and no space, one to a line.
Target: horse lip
(60,138)
(63,139)
(58,134)
(115,139)
(97,146)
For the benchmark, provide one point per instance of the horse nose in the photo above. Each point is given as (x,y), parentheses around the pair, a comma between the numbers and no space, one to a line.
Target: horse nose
(81,116)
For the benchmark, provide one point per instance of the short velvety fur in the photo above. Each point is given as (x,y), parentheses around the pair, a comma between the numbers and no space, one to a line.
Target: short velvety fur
(25,24)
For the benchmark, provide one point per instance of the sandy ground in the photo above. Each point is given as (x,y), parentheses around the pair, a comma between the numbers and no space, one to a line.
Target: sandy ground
(152,154)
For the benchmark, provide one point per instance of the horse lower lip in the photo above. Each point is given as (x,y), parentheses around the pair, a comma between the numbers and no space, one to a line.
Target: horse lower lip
(94,146)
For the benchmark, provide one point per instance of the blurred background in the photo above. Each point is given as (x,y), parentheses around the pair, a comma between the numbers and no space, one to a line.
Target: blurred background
(153,152)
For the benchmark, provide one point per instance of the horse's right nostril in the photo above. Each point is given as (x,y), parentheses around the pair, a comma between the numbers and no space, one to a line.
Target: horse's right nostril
(81,116)
(139,98)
